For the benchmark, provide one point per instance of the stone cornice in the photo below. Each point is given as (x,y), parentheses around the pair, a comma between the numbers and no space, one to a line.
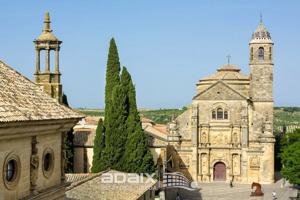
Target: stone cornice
(29,128)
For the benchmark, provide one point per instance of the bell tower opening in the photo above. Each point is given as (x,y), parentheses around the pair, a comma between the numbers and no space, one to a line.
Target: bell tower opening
(261,54)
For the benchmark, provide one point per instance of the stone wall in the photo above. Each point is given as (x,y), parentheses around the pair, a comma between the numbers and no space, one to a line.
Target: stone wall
(49,141)
(20,147)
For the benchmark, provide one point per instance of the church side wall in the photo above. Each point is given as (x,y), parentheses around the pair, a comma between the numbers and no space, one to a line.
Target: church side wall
(21,147)
(53,142)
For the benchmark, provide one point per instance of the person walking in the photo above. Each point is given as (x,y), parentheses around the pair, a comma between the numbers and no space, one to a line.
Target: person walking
(274,195)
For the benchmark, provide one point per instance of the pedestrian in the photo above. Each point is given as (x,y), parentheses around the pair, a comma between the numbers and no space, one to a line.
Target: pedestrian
(274,195)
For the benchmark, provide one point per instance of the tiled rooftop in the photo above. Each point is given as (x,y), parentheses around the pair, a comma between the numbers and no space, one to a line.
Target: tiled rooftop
(23,100)
(94,188)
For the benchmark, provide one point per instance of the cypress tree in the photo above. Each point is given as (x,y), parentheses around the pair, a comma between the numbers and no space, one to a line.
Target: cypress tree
(112,75)
(120,142)
(115,130)
(104,147)
(137,156)
(99,164)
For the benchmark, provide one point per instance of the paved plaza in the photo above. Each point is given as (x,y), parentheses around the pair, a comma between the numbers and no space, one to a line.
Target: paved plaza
(222,191)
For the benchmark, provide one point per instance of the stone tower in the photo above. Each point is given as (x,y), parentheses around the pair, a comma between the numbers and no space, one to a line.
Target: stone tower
(261,94)
(50,80)
(261,65)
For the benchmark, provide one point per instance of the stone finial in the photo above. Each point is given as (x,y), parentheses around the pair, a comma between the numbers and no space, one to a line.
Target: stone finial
(47,22)
(261,18)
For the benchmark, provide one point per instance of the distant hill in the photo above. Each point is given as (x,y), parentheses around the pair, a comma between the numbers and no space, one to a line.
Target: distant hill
(283,116)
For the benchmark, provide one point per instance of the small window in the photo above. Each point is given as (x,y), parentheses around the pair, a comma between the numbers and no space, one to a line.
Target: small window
(270,53)
(225,115)
(48,162)
(213,114)
(11,171)
(220,113)
(261,53)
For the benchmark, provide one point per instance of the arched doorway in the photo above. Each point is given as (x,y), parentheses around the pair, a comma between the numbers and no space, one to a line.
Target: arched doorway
(219,171)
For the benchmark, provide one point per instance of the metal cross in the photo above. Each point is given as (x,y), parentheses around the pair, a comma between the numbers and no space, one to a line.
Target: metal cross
(228,59)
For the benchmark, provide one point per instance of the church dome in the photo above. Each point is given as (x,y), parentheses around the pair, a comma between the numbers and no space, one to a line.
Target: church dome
(227,72)
(47,36)
(229,67)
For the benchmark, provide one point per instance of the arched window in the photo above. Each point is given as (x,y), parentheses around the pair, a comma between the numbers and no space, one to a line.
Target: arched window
(225,115)
(213,114)
(251,54)
(220,113)
(270,53)
(261,53)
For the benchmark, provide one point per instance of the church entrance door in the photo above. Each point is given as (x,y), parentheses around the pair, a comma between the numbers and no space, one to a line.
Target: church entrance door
(219,172)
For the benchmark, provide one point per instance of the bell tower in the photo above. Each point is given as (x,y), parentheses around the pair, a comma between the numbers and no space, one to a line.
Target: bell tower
(49,80)
(261,65)
(261,95)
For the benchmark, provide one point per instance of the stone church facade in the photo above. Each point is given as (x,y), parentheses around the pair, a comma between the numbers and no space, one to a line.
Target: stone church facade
(227,132)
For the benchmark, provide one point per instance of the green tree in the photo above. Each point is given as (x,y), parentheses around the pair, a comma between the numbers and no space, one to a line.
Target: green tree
(137,157)
(109,143)
(99,164)
(122,145)
(290,157)
(112,75)
(115,129)
(68,143)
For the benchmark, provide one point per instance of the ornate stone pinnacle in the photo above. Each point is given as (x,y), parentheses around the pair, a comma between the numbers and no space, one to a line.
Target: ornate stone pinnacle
(47,23)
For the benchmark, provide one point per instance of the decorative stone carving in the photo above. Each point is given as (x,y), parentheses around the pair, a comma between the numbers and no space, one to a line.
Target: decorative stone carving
(204,137)
(254,162)
(219,155)
(236,164)
(63,156)
(235,138)
(185,163)
(219,91)
(204,162)
(34,164)
(219,138)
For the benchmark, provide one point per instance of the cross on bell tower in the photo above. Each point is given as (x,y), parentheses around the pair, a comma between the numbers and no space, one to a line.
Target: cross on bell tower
(50,81)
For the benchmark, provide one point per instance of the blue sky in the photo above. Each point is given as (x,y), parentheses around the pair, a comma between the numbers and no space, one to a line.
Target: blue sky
(166,45)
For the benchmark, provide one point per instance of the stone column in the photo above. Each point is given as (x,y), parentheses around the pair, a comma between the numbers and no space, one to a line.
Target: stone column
(244,167)
(47,62)
(37,61)
(194,127)
(63,156)
(57,60)
(244,128)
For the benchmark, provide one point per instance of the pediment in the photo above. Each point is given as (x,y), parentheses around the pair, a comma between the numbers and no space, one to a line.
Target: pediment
(219,91)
